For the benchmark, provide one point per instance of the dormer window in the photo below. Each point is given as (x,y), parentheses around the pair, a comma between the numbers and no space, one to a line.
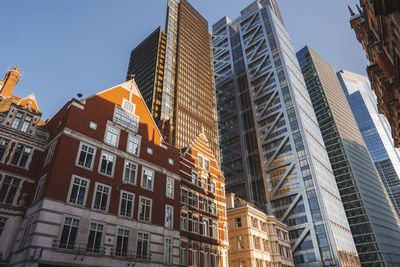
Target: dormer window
(17,120)
(22,121)
(203,163)
(27,122)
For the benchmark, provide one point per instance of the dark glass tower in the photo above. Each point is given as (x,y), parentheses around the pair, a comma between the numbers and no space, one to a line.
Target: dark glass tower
(272,149)
(374,223)
(183,87)
(146,66)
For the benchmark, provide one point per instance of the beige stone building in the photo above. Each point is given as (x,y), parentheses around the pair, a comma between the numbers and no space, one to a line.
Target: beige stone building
(256,239)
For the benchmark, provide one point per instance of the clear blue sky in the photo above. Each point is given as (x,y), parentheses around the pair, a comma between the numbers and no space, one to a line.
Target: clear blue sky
(67,47)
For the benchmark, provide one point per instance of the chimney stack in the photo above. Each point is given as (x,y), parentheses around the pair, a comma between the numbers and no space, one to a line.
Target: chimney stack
(10,81)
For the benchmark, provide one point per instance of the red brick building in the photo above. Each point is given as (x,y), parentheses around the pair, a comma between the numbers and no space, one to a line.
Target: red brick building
(108,188)
(203,218)
(377,27)
(23,140)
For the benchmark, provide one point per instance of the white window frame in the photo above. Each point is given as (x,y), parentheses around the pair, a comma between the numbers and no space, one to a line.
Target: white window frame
(170,181)
(144,186)
(39,189)
(50,153)
(167,223)
(184,226)
(116,239)
(136,173)
(139,207)
(168,254)
(21,181)
(107,140)
(108,197)
(62,228)
(79,153)
(28,161)
(100,163)
(137,137)
(148,242)
(93,125)
(120,204)
(70,190)
(103,233)
(6,150)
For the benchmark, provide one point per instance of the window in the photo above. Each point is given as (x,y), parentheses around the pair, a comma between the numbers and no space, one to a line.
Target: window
(101,197)
(126,119)
(130,172)
(204,227)
(69,233)
(240,243)
(256,242)
(184,196)
(86,156)
(3,147)
(27,122)
(121,248)
(184,221)
(149,151)
(9,189)
(133,145)
(238,222)
(200,161)
(147,179)
(169,214)
(212,207)
(206,165)
(95,238)
(78,190)
(194,178)
(128,106)
(194,200)
(145,209)
(195,224)
(212,187)
(214,230)
(184,253)
(168,250)
(50,153)
(142,252)
(39,189)
(203,163)
(17,120)
(126,204)
(111,136)
(204,204)
(195,257)
(27,231)
(92,125)
(21,155)
(170,187)
(202,182)
(3,221)
(107,163)
(170,161)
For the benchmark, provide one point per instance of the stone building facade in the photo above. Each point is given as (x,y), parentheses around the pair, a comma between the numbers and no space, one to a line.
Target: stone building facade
(255,238)
(23,141)
(203,221)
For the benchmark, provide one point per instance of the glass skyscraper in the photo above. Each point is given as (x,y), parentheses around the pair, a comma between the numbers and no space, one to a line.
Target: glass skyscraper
(375,130)
(273,154)
(371,216)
